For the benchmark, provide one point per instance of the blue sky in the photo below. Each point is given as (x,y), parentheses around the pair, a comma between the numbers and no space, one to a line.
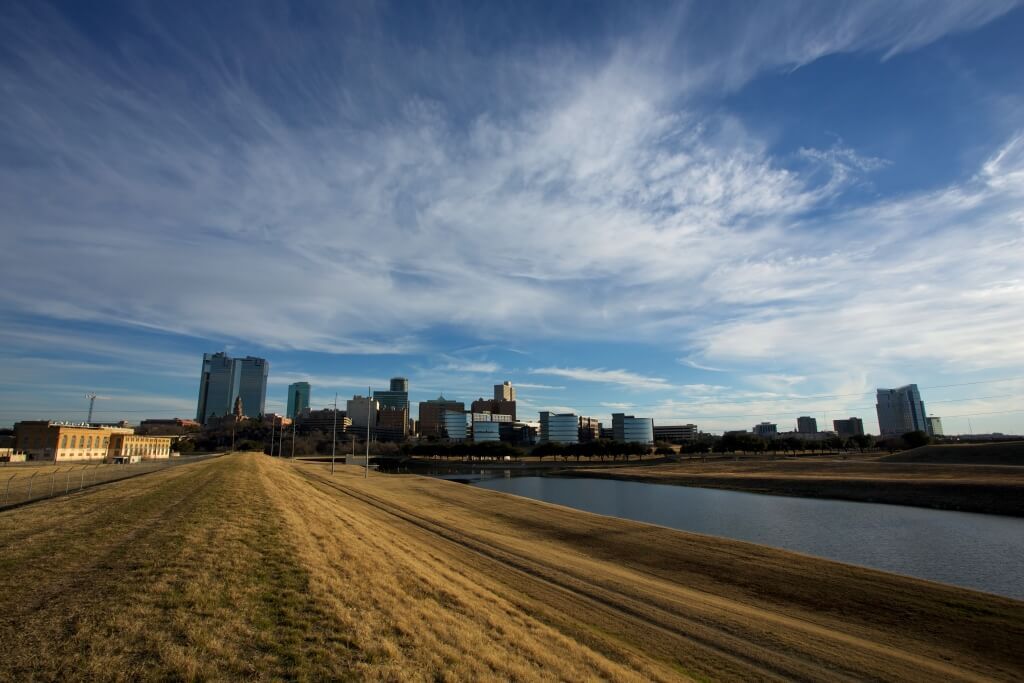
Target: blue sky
(717,213)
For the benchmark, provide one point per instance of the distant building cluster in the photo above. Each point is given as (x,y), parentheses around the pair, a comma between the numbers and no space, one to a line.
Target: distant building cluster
(232,390)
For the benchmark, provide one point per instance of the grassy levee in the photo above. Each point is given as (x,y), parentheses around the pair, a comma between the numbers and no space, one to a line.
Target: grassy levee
(251,567)
(990,489)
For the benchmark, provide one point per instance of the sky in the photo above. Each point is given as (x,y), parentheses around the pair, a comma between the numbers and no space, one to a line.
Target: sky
(717,213)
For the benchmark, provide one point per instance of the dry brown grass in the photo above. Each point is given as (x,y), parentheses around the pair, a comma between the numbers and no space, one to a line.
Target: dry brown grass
(249,567)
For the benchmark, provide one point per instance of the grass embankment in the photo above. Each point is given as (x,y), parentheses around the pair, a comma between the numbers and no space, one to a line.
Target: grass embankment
(971,488)
(1005,453)
(247,566)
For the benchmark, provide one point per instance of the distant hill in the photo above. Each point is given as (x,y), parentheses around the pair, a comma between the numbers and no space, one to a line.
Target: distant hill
(1006,453)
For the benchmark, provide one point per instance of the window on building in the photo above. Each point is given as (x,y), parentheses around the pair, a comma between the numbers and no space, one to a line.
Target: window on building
(64,441)
(89,442)
(106,441)
(73,439)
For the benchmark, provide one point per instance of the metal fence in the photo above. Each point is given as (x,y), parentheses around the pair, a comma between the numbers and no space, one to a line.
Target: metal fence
(21,484)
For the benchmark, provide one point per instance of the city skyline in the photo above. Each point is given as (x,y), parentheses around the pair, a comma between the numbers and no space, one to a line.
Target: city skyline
(664,213)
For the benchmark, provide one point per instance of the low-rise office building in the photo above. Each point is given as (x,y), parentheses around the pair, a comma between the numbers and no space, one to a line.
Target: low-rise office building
(630,429)
(487,431)
(767,429)
(853,426)
(454,424)
(132,447)
(559,427)
(676,433)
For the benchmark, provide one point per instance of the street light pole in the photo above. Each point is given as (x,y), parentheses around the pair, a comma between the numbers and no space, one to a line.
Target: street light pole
(273,426)
(369,406)
(334,433)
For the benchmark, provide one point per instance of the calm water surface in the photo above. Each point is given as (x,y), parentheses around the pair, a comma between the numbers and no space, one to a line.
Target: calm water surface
(985,552)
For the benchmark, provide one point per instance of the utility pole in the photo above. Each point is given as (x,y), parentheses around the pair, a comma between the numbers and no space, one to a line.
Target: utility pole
(273,425)
(280,440)
(334,432)
(233,423)
(369,407)
(293,438)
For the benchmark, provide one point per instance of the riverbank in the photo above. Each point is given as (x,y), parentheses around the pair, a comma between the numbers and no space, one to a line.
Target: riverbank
(247,566)
(990,489)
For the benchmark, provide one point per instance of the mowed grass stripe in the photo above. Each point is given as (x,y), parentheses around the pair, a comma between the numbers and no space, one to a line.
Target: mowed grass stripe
(192,579)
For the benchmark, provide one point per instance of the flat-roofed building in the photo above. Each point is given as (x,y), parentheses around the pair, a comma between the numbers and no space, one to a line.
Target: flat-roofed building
(129,447)
(676,433)
(454,424)
(431,422)
(495,406)
(173,427)
(362,410)
(504,391)
(559,427)
(935,426)
(766,429)
(631,429)
(486,431)
(63,442)
(325,421)
(806,425)
(392,423)
(589,429)
(853,426)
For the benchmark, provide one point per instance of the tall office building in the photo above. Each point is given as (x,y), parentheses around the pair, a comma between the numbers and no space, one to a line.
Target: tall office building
(806,425)
(935,426)
(362,410)
(504,391)
(298,398)
(218,386)
(252,384)
(900,411)
(397,396)
(853,426)
(225,379)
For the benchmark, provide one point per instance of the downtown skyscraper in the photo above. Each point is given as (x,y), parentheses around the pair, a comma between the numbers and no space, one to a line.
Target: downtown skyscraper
(901,410)
(224,379)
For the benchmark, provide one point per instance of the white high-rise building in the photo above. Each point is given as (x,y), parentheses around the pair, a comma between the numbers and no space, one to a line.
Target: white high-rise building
(361,409)
(901,410)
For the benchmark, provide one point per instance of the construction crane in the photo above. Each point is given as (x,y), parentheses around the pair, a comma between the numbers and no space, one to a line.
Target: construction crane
(92,401)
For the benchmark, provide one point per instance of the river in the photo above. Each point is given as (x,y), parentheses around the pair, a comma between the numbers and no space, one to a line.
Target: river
(984,552)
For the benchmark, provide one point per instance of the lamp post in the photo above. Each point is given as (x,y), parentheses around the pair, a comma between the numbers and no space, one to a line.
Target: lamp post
(369,407)
(334,432)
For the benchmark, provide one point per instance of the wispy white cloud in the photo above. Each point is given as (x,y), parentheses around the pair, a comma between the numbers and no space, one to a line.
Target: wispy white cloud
(623,378)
